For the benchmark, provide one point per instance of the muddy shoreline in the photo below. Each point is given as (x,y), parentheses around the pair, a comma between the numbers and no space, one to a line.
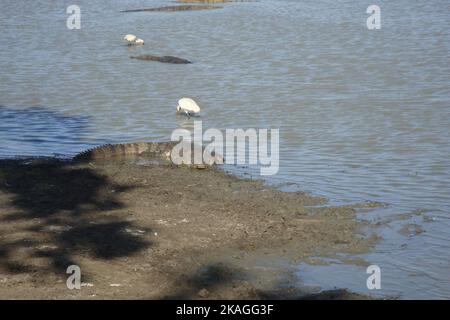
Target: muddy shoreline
(139,229)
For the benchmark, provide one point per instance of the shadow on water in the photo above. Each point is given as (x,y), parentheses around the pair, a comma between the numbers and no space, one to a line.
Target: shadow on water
(51,208)
(39,131)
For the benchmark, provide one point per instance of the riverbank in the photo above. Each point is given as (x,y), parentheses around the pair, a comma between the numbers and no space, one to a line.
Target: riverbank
(141,229)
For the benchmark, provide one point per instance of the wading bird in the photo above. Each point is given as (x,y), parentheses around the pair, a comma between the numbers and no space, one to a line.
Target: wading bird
(188,107)
(131,39)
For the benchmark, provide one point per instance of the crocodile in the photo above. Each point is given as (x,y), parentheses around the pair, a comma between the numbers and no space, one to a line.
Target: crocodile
(155,150)
(175,8)
(164,59)
(204,1)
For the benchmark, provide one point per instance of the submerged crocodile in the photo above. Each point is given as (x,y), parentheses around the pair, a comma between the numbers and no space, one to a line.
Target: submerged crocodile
(154,150)
(204,1)
(175,8)
(164,59)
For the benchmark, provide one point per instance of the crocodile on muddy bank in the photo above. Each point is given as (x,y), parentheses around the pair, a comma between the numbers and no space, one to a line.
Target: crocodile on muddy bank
(160,151)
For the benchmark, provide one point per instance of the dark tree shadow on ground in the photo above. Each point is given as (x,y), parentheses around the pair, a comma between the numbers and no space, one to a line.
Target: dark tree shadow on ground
(68,204)
(44,188)
(221,281)
(209,277)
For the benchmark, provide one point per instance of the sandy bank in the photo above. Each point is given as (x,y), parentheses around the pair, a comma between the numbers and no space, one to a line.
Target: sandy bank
(139,229)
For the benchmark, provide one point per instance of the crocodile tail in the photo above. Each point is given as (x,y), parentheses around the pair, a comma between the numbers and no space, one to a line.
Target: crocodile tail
(108,151)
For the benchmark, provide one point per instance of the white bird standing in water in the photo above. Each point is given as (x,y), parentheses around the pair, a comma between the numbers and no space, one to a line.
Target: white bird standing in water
(188,107)
(131,39)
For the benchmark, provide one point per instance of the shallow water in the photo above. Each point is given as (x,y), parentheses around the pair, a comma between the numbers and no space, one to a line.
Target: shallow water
(363,115)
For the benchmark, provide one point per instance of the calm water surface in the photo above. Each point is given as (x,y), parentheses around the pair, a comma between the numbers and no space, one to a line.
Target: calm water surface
(363,115)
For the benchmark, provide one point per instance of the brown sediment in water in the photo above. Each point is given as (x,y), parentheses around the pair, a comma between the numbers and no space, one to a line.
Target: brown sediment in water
(139,228)
(175,8)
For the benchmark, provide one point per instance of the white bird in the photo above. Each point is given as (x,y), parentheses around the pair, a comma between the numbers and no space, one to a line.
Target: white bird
(131,39)
(188,107)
